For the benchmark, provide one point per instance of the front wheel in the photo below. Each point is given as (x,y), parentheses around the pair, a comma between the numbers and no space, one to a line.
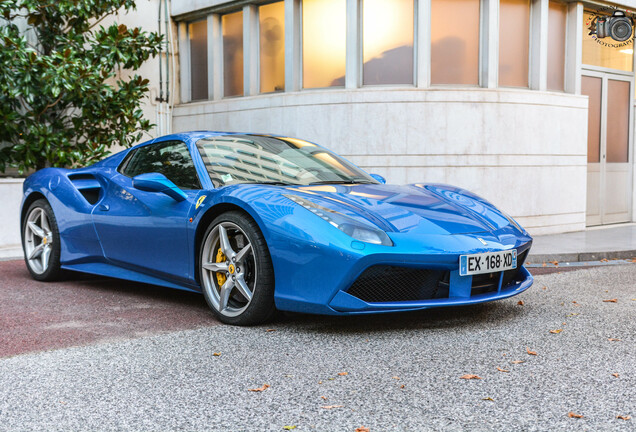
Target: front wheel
(236,270)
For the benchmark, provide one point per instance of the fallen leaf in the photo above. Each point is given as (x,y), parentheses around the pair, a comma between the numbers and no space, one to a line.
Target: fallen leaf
(469,376)
(270,330)
(217,354)
(488,399)
(615,375)
(343,373)
(402,386)
(260,389)
(396,378)
(543,265)
(557,331)
(289,427)
(323,397)
(288,376)
(572,314)
(633,299)
(604,260)
(613,340)
(520,302)
(625,417)
(362,429)
(610,301)
(544,288)
(502,370)
(573,415)
(529,351)
(319,382)
(330,379)
(331,406)
(574,301)
(517,361)
(556,263)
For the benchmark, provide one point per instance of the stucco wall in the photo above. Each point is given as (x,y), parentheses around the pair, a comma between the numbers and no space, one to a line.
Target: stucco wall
(10,198)
(523,150)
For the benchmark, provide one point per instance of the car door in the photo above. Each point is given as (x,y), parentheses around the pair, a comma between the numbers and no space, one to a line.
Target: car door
(147,231)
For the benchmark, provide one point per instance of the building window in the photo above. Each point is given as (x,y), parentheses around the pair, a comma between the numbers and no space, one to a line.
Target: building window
(605,52)
(232,25)
(198,34)
(272,47)
(514,34)
(557,16)
(387,41)
(324,42)
(455,42)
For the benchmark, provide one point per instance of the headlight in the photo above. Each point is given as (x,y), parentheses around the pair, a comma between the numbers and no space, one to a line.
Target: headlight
(347,225)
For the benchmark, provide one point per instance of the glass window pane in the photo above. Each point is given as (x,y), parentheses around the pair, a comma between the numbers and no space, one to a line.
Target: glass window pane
(514,33)
(387,42)
(232,54)
(618,99)
(592,87)
(605,52)
(556,46)
(198,32)
(272,47)
(455,42)
(324,43)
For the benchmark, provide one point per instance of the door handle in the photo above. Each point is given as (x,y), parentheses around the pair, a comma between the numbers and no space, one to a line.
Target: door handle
(103,207)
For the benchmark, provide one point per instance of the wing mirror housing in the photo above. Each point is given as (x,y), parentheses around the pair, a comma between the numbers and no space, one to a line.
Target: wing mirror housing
(157,182)
(379,178)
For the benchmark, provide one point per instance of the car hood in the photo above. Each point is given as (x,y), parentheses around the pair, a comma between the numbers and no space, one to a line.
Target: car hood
(436,209)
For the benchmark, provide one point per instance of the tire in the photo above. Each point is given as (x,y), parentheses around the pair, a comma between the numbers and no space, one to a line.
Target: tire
(236,274)
(41,242)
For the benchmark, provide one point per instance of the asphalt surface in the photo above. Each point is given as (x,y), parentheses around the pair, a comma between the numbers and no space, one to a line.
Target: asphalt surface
(385,372)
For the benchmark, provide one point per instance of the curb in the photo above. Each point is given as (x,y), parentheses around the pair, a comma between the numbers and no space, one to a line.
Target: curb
(580,257)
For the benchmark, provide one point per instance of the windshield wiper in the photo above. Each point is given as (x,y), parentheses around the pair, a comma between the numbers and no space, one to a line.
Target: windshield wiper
(352,181)
(275,183)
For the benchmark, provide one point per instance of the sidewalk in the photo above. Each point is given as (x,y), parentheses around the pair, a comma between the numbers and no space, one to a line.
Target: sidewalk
(593,244)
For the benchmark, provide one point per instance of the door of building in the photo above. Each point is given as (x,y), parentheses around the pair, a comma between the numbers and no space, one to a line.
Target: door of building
(609,172)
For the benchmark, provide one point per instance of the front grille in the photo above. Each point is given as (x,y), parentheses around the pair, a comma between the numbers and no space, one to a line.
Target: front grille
(384,283)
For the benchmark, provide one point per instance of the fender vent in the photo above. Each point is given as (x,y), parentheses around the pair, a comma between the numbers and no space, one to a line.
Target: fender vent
(88,186)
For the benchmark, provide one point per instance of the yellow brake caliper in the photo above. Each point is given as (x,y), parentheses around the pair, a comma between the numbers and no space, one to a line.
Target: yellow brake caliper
(220,276)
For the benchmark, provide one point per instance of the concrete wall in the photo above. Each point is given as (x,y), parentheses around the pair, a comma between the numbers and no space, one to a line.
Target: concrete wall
(10,198)
(523,150)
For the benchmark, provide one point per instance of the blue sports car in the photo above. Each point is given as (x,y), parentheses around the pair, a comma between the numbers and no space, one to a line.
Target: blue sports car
(261,222)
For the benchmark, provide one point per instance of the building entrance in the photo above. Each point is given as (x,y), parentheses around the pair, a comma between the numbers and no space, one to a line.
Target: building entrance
(609,172)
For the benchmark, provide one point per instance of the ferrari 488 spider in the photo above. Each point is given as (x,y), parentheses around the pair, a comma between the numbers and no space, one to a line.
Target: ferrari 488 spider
(259,222)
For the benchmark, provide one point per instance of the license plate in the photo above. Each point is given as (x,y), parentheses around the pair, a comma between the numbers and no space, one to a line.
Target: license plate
(487,262)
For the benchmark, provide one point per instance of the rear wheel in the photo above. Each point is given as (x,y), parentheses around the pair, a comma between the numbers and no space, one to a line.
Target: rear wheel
(236,270)
(41,242)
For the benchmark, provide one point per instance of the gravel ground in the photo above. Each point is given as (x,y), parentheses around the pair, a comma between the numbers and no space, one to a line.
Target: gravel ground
(402,371)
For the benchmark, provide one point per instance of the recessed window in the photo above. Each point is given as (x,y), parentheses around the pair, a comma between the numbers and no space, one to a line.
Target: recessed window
(557,18)
(387,42)
(198,34)
(455,42)
(272,47)
(514,47)
(232,54)
(324,42)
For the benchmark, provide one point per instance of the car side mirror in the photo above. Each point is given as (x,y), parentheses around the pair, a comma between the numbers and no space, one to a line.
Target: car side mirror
(157,182)
(379,178)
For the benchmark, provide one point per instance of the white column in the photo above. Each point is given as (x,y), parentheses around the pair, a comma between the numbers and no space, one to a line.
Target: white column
(353,74)
(293,49)
(423,43)
(250,50)
(489,44)
(184,63)
(215,57)
(539,45)
(574,48)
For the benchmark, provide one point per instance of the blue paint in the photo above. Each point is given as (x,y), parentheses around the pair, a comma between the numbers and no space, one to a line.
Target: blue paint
(140,229)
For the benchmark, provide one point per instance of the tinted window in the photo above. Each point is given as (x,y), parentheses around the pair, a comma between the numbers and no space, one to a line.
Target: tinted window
(170,158)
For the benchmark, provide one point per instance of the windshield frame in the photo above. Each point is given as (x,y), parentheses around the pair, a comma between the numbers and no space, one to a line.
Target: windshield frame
(321,164)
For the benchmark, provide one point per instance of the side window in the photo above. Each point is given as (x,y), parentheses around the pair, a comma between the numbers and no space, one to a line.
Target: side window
(170,158)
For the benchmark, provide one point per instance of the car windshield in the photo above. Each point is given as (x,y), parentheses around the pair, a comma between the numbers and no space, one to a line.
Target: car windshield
(233,159)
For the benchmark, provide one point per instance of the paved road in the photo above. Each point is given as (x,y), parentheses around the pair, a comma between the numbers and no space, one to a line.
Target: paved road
(402,371)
